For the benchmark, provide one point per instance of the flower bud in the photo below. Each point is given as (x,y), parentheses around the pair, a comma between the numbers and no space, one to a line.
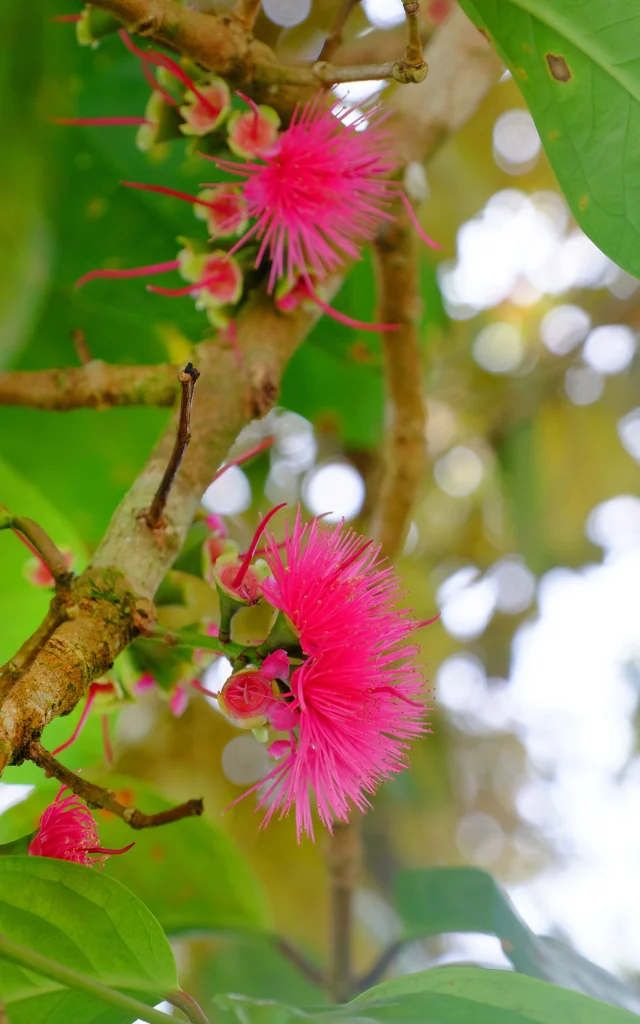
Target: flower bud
(226,212)
(162,123)
(246,697)
(203,112)
(251,132)
(93,25)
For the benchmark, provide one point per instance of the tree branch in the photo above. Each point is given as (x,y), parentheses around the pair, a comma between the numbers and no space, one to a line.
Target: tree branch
(188,379)
(96,796)
(413,65)
(95,385)
(396,257)
(334,38)
(112,598)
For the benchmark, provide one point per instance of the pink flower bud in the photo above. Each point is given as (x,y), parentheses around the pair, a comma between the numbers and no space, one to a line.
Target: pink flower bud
(225,212)
(178,700)
(246,697)
(250,133)
(204,112)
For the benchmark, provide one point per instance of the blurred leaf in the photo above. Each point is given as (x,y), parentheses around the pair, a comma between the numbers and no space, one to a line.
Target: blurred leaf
(86,921)
(577,67)
(476,996)
(433,901)
(256,968)
(190,874)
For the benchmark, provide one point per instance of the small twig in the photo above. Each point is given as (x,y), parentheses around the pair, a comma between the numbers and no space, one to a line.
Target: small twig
(191,1009)
(378,969)
(246,11)
(79,339)
(396,256)
(334,38)
(344,854)
(299,960)
(96,796)
(40,544)
(412,67)
(188,378)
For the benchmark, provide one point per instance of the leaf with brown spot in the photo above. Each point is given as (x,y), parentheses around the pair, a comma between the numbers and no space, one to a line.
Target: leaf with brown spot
(558,67)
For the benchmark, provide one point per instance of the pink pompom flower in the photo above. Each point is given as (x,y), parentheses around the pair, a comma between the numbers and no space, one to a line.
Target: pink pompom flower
(352,709)
(320,192)
(68,831)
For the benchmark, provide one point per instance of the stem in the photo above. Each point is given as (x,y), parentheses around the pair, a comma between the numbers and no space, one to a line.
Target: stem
(412,67)
(386,958)
(246,11)
(96,796)
(343,859)
(299,960)
(192,1011)
(74,979)
(188,378)
(396,256)
(334,38)
(95,385)
(44,548)
(79,339)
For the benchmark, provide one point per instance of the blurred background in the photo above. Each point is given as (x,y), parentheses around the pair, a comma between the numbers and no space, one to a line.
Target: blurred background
(525,536)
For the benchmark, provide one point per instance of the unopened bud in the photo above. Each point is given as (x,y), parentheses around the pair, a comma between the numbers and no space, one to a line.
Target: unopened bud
(246,697)
(251,132)
(203,112)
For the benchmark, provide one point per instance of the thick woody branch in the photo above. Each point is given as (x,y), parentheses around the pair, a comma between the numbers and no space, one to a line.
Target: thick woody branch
(188,379)
(112,598)
(96,796)
(334,38)
(222,43)
(95,385)
(396,255)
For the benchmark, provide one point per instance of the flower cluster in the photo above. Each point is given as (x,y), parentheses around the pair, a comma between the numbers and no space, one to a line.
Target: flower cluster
(305,198)
(343,686)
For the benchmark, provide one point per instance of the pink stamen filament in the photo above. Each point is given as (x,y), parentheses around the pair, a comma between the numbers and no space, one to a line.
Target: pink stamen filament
(396,693)
(161,60)
(99,121)
(342,318)
(246,561)
(416,223)
(111,853)
(149,271)
(167,192)
(188,289)
(202,689)
(66,17)
(245,456)
(81,724)
(106,741)
(155,84)
(256,112)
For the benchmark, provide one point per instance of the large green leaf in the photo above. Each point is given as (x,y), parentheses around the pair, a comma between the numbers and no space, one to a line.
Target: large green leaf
(432,901)
(485,996)
(577,63)
(86,921)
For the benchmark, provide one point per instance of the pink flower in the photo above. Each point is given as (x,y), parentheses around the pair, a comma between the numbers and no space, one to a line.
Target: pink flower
(251,697)
(223,209)
(251,132)
(68,831)
(206,107)
(319,193)
(353,707)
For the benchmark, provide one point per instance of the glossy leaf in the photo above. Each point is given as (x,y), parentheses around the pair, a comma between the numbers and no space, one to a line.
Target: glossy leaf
(578,67)
(483,996)
(86,921)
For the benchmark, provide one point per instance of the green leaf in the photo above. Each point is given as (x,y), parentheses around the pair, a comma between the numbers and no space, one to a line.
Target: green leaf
(432,901)
(85,921)
(485,997)
(578,68)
